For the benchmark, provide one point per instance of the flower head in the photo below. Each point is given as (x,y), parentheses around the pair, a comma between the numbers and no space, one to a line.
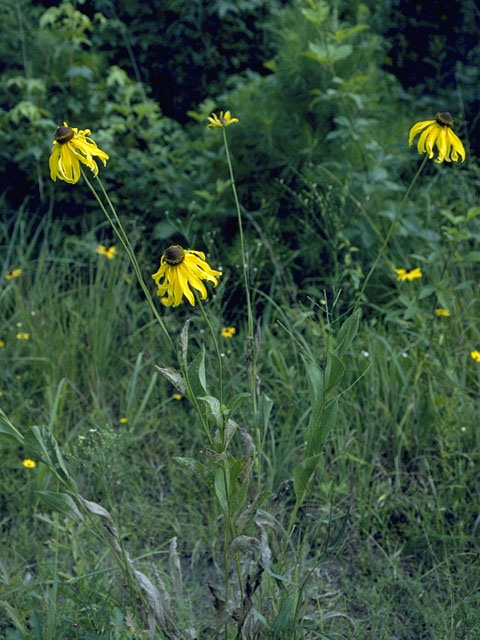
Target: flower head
(180,268)
(475,355)
(228,332)
(108,253)
(442,312)
(29,463)
(438,132)
(23,336)
(70,147)
(14,273)
(224,120)
(408,274)
(123,420)
(2,344)
(177,396)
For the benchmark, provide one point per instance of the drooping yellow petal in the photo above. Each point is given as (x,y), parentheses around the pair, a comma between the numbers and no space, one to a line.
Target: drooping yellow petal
(70,147)
(69,167)
(457,146)
(432,134)
(443,150)
(417,128)
(179,271)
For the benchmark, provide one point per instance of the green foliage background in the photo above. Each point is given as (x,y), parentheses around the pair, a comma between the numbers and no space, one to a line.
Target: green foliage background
(325,93)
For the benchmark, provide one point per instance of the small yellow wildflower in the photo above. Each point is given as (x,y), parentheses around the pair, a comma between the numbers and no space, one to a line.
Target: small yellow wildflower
(408,274)
(228,332)
(442,312)
(475,355)
(108,253)
(23,336)
(2,344)
(438,132)
(123,420)
(180,268)
(28,463)
(14,273)
(177,396)
(224,120)
(70,147)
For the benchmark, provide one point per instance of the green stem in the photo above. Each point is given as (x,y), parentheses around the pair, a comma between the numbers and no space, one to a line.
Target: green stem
(215,342)
(122,236)
(390,231)
(251,337)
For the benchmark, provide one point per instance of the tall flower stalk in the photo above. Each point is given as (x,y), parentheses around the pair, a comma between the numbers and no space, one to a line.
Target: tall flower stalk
(435,133)
(223,121)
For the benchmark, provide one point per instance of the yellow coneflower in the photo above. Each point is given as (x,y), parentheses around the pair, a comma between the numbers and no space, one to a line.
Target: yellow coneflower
(14,273)
(108,253)
(408,274)
(179,269)
(223,120)
(70,147)
(438,132)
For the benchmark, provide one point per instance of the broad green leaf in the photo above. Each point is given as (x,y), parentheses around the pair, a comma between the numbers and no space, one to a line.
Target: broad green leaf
(472,213)
(215,409)
(183,343)
(320,425)
(347,333)
(191,464)
(333,372)
(327,54)
(8,429)
(220,482)
(196,374)
(304,475)
(61,502)
(317,14)
(175,377)
(315,380)
(262,417)
(233,403)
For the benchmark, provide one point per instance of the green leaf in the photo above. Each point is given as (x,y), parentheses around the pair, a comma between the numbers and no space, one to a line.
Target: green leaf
(262,417)
(235,401)
(175,377)
(220,482)
(327,54)
(284,620)
(61,502)
(40,444)
(347,333)
(471,256)
(304,475)
(215,409)
(333,372)
(7,428)
(183,343)
(196,374)
(315,381)
(191,464)
(320,425)
(472,213)
(317,14)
